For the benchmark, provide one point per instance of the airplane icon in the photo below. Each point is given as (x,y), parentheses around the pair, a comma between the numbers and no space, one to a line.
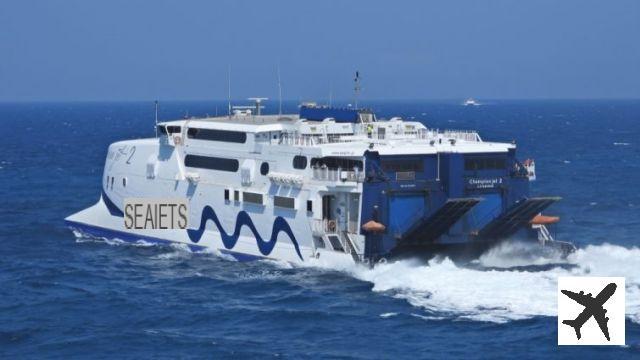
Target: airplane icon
(592,307)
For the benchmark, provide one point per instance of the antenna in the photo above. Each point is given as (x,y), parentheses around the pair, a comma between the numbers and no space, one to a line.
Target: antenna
(258,101)
(156,118)
(229,90)
(330,94)
(279,92)
(357,87)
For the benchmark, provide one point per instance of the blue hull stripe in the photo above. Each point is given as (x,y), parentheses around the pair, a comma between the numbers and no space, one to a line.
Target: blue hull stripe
(132,238)
(243,219)
(122,235)
(113,208)
(229,240)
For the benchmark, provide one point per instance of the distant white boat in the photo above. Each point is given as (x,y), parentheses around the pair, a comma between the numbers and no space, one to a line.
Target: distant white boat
(471,102)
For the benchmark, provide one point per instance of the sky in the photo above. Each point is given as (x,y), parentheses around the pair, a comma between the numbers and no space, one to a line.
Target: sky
(62,50)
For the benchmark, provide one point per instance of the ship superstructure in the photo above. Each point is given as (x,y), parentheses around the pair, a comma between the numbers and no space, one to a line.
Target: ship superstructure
(327,182)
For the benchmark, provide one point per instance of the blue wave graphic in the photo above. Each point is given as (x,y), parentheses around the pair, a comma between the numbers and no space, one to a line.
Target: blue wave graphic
(113,208)
(243,219)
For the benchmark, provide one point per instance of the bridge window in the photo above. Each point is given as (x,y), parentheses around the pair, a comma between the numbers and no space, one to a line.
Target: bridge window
(211,163)
(226,194)
(172,129)
(217,135)
(299,162)
(485,164)
(402,165)
(162,130)
(336,162)
(284,202)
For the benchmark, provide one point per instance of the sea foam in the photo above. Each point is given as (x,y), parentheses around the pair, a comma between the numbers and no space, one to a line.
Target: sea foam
(501,294)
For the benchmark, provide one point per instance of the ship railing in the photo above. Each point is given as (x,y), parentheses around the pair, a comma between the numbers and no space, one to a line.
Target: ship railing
(323,173)
(330,227)
(378,137)
(313,140)
(420,134)
(519,170)
(296,140)
(324,226)
(467,135)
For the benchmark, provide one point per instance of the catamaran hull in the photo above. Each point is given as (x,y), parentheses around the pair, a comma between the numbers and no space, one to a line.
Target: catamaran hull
(97,221)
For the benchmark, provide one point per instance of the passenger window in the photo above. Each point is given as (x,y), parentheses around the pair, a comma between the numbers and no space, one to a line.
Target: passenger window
(217,135)
(284,202)
(211,163)
(253,198)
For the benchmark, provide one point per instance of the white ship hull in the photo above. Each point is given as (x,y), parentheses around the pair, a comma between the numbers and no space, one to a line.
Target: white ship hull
(96,221)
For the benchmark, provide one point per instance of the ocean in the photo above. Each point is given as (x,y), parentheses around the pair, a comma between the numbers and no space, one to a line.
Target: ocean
(68,297)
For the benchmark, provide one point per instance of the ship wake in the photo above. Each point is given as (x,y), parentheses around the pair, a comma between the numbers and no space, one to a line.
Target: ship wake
(507,283)
(512,281)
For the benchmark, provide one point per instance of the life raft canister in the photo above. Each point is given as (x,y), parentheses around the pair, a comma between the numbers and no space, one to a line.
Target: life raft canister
(373,226)
(544,220)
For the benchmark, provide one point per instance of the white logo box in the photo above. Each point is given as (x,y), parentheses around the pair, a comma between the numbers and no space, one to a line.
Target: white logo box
(570,310)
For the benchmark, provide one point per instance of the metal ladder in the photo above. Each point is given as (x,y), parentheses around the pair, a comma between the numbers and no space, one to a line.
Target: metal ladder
(544,235)
(352,249)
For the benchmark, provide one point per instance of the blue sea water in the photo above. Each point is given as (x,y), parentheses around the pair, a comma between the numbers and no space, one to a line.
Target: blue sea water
(68,297)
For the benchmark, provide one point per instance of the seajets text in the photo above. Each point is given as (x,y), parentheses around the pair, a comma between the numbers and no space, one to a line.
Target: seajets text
(155,213)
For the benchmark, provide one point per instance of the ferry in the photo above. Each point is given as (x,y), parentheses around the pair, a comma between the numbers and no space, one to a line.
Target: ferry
(327,182)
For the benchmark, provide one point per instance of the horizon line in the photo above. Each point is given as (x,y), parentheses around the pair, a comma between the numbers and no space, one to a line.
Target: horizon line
(321,101)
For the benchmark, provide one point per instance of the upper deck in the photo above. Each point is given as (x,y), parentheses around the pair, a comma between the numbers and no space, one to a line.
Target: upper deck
(331,136)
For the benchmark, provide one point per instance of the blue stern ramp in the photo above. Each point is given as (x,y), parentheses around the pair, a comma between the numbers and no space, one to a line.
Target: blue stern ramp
(430,228)
(516,217)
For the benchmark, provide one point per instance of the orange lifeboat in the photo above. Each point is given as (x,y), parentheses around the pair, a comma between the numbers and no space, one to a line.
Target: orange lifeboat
(373,226)
(544,220)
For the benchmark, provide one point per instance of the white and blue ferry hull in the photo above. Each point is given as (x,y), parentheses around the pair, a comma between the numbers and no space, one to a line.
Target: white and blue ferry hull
(97,221)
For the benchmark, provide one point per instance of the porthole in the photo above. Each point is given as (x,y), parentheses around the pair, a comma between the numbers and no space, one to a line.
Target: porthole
(124,182)
(264,168)
(299,162)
